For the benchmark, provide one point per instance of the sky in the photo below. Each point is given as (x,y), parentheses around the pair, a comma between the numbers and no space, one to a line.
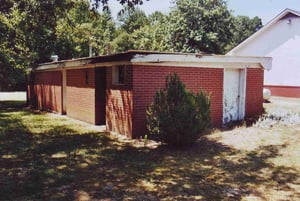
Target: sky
(265,9)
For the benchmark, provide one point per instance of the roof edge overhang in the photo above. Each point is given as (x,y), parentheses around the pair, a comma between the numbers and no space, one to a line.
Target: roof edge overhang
(151,58)
(198,60)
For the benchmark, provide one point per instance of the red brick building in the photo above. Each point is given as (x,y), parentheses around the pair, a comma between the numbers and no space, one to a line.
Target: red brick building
(115,90)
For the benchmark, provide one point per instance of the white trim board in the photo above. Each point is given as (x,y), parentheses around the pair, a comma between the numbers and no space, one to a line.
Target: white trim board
(216,61)
(168,59)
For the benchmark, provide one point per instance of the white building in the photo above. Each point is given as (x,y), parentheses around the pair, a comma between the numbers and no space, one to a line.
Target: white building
(279,39)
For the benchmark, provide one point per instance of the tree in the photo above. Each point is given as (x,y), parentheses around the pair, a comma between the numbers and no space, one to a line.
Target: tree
(151,38)
(132,19)
(104,3)
(123,42)
(32,31)
(177,116)
(154,35)
(28,35)
(82,28)
(200,26)
(243,28)
(13,50)
(157,18)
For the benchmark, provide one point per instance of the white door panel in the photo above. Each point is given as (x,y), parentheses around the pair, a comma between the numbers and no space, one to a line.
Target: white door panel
(233,100)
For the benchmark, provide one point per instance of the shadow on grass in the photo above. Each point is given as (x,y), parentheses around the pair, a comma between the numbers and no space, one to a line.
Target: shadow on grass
(12,104)
(62,164)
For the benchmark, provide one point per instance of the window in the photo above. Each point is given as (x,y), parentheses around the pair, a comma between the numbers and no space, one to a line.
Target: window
(118,74)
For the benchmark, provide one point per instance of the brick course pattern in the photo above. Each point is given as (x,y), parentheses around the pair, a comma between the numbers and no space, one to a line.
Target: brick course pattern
(148,79)
(254,92)
(48,91)
(81,94)
(119,104)
(126,104)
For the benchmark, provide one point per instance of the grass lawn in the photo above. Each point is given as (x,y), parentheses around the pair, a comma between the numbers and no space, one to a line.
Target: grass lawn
(49,157)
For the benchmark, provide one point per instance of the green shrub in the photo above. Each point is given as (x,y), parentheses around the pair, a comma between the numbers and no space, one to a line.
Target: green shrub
(177,116)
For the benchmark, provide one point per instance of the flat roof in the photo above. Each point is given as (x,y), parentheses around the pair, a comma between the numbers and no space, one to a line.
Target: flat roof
(154,58)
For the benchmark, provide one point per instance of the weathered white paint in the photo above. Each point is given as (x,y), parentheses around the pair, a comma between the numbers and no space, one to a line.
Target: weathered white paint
(200,65)
(234,94)
(202,60)
(52,67)
(168,59)
(280,39)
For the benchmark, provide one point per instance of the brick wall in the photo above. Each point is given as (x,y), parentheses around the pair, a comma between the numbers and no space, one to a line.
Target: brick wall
(119,104)
(148,79)
(47,91)
(254,92)
(126,104)
(81,94)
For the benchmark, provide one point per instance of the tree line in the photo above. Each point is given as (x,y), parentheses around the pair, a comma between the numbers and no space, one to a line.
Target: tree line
(33,30)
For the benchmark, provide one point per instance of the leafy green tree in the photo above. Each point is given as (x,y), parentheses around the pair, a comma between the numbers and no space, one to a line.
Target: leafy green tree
(157,18)
(32,31)
(123,42)
(129,34)
(13,50)
(244,27)
(104,3)
(153,36)
(132,19)
(38,25)
(82,28)
(177,116)
(200,26)
(28,35)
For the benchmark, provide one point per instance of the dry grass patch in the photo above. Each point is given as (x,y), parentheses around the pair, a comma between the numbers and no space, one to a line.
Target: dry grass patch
(271,157)
(47,157)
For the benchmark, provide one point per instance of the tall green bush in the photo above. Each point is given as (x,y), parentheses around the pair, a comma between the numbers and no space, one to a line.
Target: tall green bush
(177,116)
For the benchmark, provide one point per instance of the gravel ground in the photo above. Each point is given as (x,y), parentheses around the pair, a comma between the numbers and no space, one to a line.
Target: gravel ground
(280,111)
(282,104)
